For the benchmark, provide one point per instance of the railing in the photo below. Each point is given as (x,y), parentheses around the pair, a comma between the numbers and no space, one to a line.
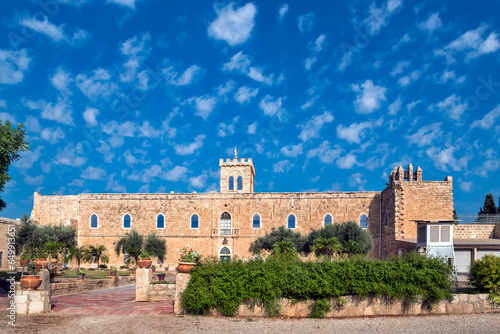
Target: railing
(479,219)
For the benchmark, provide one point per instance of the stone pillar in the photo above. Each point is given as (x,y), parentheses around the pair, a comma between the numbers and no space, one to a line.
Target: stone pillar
(143,278)
(419,174)
(32,302)
(45,276)
(181,282)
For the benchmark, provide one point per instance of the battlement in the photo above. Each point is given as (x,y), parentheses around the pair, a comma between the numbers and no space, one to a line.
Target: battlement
(399,175)
(236,175)
(236,162)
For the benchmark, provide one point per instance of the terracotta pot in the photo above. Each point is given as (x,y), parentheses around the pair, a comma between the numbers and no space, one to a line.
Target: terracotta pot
(30,282)
(145,263)
(80,276)
(23,262)
(112,273)
(53,260)
(161,277)
(186,267)
(153,269)
(40,263)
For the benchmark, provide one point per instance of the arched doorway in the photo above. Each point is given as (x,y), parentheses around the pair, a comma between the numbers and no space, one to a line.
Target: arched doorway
(225,254)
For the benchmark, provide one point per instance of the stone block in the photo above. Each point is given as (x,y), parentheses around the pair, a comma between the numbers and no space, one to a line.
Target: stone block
(36,307)
(21,298)
(182,280)
(21,308)
(142,285)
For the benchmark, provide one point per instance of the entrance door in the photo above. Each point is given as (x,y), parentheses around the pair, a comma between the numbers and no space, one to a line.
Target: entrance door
(225,255)
(462,260)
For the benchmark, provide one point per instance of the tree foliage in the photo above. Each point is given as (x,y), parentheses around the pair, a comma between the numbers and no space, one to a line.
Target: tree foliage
(156,247)
(98,253)
(132,244)
(489,206)
(12,143)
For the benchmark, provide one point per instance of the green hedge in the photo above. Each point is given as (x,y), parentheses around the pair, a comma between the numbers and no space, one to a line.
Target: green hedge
(224,286)
(485,275)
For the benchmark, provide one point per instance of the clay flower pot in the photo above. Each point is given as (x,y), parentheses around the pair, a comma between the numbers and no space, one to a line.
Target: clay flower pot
(23,262)
(186,267)
(161,277)
(30,282)
(112,273)
(145,263)
(40,263)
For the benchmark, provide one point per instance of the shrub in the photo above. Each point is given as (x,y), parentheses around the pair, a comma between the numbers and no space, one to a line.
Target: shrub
(224,286)
(485,274)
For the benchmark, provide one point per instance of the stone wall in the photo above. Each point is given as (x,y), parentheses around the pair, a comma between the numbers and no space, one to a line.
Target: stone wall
(475,231)
(358,307)
(55,210)
(7,226)
(73,285)
(161,292)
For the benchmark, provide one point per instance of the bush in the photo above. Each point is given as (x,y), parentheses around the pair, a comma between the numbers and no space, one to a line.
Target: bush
(485,274)
(224,286)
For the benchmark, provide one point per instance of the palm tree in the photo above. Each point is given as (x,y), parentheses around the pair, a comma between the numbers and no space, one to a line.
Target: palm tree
(79,254)
(351,247)
(54,248)
(324,246)
(155,247)
(130,245)
(99,252)
(284,247)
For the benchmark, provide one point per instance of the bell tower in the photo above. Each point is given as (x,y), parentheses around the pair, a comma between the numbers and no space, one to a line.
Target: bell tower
(236,175)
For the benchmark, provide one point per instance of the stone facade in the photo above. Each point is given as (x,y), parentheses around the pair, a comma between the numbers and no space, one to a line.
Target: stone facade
(476,231)
(7,231)
(405,199)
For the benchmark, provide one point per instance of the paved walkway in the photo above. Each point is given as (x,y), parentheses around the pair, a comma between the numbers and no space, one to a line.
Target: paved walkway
(115,301)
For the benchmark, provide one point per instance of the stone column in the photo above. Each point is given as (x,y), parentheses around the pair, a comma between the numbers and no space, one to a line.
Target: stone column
(45,276)
(143,278)
(181,282)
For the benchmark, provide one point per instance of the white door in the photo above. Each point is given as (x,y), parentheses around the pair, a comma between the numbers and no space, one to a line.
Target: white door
(462,260)
(483,252)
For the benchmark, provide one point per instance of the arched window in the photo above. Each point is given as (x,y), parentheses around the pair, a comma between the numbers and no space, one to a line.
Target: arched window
(225,224)
(126,221)
(194,221)
(363,221)
(231,183)
(94,221)
(328,220)
(239,182)
(256,221)
(225,254)
(160,221)
(291,221)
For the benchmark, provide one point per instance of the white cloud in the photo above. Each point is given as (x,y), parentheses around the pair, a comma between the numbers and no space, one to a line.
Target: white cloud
(60,112)
(354,133)
(204,105)
(252,128)
(489,166)
(245,94)
(241,63)
(318,43)
(106,151)
(4,116)
(472,42)
(450,75)
(292,151)
(61,81)
(408,79)
(369,97)
(282,11)
(115,186)
(224,129)
(432,23)
(379,16)
(184,79)
(309,62)
(89,116)
(190,148)
(466,186)
(178,173)
(126,3)
(395,106)
(426,134)
(357,181)
(93,173)
(97,85)
(52,135)
(54,32)
(305,22)
(399,68)
(347,162)
(32,124)
(70,156)
(135,51)
(444,159)
(325,154)
(34,181)
(282,166)
(13,64)
(312,127)
(452,106)
(488,121)
(198,181)
(270,107)
(28,158)
(233,26)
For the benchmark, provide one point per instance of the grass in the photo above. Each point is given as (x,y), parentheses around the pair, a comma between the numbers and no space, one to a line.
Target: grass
(95,274)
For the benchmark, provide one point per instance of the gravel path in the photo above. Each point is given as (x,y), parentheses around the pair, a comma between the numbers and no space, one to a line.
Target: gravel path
(57,323)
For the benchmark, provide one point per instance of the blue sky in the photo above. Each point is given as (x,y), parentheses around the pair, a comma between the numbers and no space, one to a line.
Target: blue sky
(147,95)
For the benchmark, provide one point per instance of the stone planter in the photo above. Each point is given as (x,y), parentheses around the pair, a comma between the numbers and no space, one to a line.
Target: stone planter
(186,267)
(30,282)
(145,263)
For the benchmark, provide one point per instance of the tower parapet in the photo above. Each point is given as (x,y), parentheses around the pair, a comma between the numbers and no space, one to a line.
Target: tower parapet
(236,175)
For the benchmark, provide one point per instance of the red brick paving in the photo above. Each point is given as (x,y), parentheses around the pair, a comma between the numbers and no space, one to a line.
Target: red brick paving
(116,301)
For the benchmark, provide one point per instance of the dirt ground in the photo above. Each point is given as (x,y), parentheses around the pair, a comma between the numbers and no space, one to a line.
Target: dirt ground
(55,323)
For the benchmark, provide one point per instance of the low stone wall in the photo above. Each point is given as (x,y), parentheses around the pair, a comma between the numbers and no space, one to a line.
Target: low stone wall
(474,231)
(67,286)
(161,292)
(358,307)
(32,302)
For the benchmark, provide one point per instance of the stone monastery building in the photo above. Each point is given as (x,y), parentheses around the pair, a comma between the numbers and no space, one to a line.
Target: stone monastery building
(225,223)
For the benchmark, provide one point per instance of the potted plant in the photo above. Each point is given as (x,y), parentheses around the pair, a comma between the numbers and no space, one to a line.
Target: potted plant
(53,274)
(153,268)
(161,277)
(31,281)
(80,274)
(145,262)
(112,271)
(24,259)
(188,260)
(40,260)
